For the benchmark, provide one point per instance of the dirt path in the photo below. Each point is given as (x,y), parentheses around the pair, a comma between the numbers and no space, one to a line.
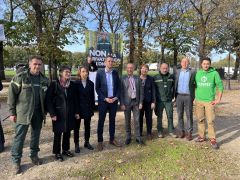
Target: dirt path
(227,126)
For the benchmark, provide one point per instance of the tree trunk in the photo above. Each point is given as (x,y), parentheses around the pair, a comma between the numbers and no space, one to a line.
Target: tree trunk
(163,55)
(175,52)
(2,74)
(236,68)
(131,35)
(140,46)
(202,42)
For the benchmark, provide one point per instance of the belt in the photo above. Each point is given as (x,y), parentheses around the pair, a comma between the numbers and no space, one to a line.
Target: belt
(133,99)
(183,94)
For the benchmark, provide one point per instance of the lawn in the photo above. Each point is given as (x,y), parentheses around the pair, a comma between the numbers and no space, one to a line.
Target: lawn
(160,159)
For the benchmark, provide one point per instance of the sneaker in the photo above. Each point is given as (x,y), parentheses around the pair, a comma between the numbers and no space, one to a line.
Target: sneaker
(160,134)
(200,139)
(36,161)
(173,135)
(67,153)
(214,143)
(17,168)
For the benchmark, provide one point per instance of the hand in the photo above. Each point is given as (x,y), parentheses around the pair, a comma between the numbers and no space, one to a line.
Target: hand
(77,116)
(215,102)
(114,99)
(13,118)
(153,106)
(140,106)
(123,107)
(54,118)
(173,100)
(108,100)
(194,101)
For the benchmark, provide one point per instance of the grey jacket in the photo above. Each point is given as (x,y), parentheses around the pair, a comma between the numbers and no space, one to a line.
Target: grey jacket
(125,97)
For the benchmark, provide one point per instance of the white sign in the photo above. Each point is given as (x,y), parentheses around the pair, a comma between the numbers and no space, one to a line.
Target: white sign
(2,35)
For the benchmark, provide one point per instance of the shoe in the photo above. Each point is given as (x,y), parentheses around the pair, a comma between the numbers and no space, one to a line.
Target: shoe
(160,134)
(36,161)
(128,141)
(140,141)
(77,148)
(100,146)
(149,137)
(189,137)
(59,157)
(67,153)
(181,134)
(173,135)
(200,139)
(88,146)
(114,143)
(214,143)
(17,168)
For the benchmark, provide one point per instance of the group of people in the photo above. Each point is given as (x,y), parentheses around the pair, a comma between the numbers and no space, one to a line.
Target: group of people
(68,102)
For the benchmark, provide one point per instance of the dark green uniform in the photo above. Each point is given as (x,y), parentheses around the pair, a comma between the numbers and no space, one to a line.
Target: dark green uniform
(164,85)
(26,101)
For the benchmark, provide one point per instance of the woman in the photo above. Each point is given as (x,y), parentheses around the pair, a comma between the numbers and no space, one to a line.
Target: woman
(85,91)
(63,108)
(148,101)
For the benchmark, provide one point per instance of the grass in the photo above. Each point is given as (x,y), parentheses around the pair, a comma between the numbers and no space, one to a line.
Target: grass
(160,159)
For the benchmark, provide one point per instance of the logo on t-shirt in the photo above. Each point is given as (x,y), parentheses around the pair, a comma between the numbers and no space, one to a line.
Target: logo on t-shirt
(204,79)
(204,82)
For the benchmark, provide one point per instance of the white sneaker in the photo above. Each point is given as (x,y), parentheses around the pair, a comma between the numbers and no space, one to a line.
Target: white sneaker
(173,135)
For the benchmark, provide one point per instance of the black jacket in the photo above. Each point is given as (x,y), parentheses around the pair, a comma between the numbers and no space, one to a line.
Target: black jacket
(149,90)
(86,99)
(63,106)
(91,67)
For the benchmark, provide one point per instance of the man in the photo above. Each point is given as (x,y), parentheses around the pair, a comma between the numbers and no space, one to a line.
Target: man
(164,84)
(107,87)
(92,67)
(185,92)
(103,43)
(207,80)
(2,139)
(26,106)
(131,100)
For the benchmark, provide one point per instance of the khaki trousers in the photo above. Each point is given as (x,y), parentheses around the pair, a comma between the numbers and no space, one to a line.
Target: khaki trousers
(205,110)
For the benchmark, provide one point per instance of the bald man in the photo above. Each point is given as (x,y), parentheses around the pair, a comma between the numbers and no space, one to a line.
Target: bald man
(164,84)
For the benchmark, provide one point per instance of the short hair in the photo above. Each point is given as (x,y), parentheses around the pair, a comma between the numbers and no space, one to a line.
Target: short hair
(64,67)
(36,57)
(185,57)
(206,59)
(164,63)
(131,64)
(143,65)
(108,56)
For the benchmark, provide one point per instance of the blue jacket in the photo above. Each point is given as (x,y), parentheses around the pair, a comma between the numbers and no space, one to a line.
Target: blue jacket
(101,85)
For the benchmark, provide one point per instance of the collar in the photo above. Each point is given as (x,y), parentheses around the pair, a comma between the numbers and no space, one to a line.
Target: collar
(106,71)
(185,70)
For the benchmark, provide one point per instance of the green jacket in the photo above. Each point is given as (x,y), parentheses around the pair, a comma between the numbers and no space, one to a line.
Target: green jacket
(164,89)
(206,84)
(21,99)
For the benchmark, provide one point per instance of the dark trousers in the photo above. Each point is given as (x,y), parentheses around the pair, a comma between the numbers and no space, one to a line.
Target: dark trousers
(168,106)
(20,135)
(2,139)
(103,108)
(57,142)
(18,142)
(87,128)
(148,116)
(185,103)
